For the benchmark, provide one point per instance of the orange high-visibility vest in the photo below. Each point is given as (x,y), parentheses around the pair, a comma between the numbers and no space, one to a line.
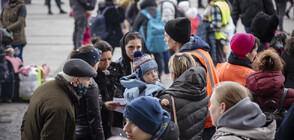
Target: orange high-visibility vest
(211,77)
(230,72)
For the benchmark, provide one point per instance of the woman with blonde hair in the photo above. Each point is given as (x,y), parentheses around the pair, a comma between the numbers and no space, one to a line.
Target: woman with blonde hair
(235,116)
(187,96)
(267,83)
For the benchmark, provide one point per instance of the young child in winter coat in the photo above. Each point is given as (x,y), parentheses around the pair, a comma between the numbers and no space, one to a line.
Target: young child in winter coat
(144,80)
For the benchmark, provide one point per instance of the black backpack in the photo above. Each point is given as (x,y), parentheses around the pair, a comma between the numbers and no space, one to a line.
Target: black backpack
(278,113)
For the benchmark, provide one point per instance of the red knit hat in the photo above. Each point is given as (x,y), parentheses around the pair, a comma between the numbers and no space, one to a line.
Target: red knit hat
(242,43)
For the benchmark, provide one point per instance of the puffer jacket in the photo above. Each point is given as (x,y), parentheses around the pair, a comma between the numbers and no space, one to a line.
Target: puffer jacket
(134,87)
(110,87)
(269,85)
(288,69)
(167,8)
(88,115)
(190,102)
(5,39)
(141,20)
(244,120)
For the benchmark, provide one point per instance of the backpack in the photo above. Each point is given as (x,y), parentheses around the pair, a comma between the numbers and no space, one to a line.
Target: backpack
(88,4)
(155,33)
(278,113)
(97,25)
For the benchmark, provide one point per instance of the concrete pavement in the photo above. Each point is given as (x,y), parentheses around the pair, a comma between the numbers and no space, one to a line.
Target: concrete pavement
(49,42)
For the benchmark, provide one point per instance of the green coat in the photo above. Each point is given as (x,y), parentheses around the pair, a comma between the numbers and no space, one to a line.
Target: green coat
(51,113)
(14,23)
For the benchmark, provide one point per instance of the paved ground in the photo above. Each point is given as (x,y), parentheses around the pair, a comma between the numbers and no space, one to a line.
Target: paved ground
(49,42)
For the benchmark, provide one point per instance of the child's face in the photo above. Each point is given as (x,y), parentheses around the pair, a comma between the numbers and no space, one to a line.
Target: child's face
(151,76)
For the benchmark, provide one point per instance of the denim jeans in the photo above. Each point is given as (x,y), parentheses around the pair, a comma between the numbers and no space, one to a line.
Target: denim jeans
(20,49)
(166,57)
(79,31)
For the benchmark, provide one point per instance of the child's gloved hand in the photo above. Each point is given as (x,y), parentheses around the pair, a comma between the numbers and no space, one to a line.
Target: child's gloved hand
(164,102)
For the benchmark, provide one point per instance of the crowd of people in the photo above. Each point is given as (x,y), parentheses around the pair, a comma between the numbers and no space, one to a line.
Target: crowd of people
(215,93)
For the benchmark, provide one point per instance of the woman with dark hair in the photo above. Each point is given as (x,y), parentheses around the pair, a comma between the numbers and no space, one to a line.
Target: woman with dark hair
(108,75)
(88,117)
(278,43)
(288,57)
(132,41)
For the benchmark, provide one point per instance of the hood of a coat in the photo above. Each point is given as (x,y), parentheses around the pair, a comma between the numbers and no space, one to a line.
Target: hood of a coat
(243,115)
(262,133)
(190,85)
(265,83)
(195,43)
(147,3)
(264,26)
(125,59)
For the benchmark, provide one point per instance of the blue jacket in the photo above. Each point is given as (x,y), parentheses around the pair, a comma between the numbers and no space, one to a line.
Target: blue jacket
(134,87)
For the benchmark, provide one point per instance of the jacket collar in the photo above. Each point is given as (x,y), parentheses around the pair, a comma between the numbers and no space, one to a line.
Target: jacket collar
(233,59)
(68,88)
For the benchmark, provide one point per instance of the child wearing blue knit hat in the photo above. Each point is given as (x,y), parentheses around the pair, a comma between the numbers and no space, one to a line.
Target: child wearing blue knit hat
(145,119)
(144,80)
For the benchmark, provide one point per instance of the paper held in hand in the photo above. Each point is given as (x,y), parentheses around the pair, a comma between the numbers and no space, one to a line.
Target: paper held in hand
(122,106)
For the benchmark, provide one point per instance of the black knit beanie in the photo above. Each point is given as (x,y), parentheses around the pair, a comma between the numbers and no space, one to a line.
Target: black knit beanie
(179,29)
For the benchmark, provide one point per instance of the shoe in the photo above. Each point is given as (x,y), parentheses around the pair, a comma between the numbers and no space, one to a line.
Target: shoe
(287,14)
(50,13)
(62,12)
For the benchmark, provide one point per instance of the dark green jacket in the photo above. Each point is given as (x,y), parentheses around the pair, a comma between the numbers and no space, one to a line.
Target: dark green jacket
(51,113)
(13,19)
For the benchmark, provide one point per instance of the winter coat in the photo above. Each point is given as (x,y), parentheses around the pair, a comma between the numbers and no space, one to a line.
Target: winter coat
(5,39)
(269,85)
(288,69)
(88,115)
(13,20)
(243,121)
(141,20)
(78,11)
(234,70)
(167,8)
(132,12)
(196,43)
(135,87)
(51,112)
(247,9)
(114,17)
(110,87)
(190,102)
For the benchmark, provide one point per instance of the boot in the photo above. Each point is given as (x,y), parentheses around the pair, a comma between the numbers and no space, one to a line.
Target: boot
(50,13)
(287,14)
(62,12)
